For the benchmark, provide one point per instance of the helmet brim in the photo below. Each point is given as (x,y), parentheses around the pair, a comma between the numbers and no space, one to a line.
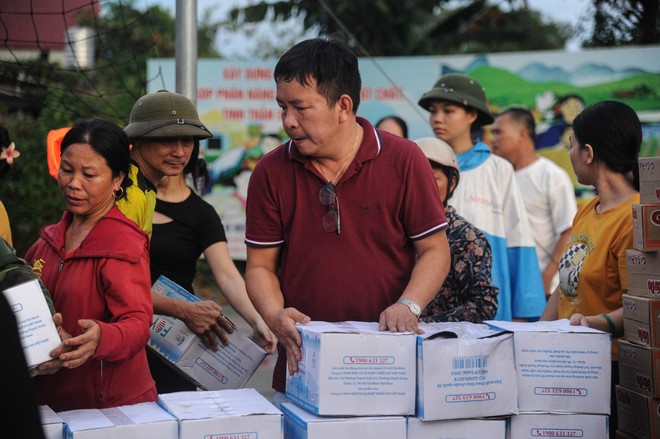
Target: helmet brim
(442,94)
(174,128)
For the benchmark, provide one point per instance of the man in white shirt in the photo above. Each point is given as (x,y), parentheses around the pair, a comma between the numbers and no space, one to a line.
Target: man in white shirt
(546,188)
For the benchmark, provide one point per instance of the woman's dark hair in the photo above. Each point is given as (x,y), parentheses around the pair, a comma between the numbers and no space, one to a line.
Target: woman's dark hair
(5,141)
(402,124)
(614,132)
(198,170)
(108,140)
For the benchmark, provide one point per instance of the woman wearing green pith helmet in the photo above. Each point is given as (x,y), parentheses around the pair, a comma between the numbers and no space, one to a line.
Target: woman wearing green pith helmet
(488,195)
(165,130)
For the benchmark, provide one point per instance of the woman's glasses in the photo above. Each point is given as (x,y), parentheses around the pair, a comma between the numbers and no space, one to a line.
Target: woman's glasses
(331,219)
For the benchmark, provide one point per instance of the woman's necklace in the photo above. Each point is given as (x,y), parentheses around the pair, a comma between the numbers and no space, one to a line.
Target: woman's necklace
(343,166)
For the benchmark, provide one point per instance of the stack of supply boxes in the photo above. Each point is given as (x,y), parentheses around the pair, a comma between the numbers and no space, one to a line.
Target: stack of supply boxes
(358,382)
(638,395)
(229,414)
(563,375)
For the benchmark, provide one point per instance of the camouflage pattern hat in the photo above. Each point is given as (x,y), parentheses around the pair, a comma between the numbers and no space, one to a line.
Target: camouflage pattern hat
(460,89)
(165,114)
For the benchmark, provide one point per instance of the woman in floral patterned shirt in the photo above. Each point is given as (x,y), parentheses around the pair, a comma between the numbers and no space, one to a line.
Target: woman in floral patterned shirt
(468,293)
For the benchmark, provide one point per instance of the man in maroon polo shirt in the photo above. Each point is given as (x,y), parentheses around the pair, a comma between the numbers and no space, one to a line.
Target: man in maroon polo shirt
(344,222)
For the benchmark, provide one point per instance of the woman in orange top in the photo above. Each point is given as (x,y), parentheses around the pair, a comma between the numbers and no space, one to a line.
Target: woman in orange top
(592,271)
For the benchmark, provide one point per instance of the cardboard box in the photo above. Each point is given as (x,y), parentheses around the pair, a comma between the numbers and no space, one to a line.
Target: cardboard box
(649,180)
(638,415)
(223,414)
(230,367)
(36,329)
(535,425)
(460,428)
(643,270)
(465,370)
(646,226)
(301,424)
(561,368)
(641,320)
(353,369)
(126,422)
(639,368)
(51,423)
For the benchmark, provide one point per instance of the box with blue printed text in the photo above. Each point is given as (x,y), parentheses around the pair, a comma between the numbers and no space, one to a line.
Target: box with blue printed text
(353,369)
(561,368)
(230,367)
(465,370)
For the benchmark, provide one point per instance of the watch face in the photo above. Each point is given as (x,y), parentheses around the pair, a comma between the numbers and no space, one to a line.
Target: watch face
(415,309)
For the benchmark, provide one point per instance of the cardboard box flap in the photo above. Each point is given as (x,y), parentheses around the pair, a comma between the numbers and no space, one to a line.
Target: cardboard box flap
(48,415)
(216,404)
(85,419)
(348,327)
(561,325)
(92,419)
(290,409)
(464,330)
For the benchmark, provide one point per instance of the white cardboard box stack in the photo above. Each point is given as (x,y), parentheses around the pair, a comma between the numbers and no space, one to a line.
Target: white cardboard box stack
(638,395)
(564,375)
(353,375)
(126,422)
(223,414)
(217,414)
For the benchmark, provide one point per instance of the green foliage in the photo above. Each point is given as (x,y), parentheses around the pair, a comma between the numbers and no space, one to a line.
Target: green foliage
(415,27)
(53,97)
(624,23)
(30,195)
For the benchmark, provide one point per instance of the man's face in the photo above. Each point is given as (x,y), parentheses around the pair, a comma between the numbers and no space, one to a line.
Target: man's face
(506,136)
(306,116)
(165,156)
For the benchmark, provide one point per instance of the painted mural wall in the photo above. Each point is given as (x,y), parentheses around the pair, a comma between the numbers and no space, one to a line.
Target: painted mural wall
(236,100)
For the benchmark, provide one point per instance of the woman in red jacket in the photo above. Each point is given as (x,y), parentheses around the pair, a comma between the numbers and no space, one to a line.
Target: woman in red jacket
(95,263)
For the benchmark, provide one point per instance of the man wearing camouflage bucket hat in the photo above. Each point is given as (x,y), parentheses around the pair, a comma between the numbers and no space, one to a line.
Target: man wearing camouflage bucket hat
(162,127)
(488,195)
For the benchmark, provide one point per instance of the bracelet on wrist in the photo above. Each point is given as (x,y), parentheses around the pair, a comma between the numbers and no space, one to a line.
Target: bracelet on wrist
(610,323)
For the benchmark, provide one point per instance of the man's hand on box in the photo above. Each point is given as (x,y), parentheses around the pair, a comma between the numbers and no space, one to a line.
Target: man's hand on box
(398,318)
(205,319)
(283,325)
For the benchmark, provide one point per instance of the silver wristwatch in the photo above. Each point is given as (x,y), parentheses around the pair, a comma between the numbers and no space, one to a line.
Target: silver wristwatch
(414,307)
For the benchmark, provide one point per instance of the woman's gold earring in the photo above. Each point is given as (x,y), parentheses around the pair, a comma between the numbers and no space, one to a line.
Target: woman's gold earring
(119,193)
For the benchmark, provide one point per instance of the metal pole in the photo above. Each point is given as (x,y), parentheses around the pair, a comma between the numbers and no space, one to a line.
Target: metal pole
(186,48)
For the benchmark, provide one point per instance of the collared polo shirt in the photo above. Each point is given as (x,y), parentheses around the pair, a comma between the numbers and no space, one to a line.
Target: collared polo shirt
(387,199)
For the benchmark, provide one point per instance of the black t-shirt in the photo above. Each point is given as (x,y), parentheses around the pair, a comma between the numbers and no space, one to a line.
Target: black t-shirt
(176,245)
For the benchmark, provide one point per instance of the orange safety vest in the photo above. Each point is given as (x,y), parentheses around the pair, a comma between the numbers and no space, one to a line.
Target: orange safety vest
(53,144)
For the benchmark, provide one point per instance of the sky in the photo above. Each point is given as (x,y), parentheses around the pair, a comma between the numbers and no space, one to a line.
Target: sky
(568,11)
